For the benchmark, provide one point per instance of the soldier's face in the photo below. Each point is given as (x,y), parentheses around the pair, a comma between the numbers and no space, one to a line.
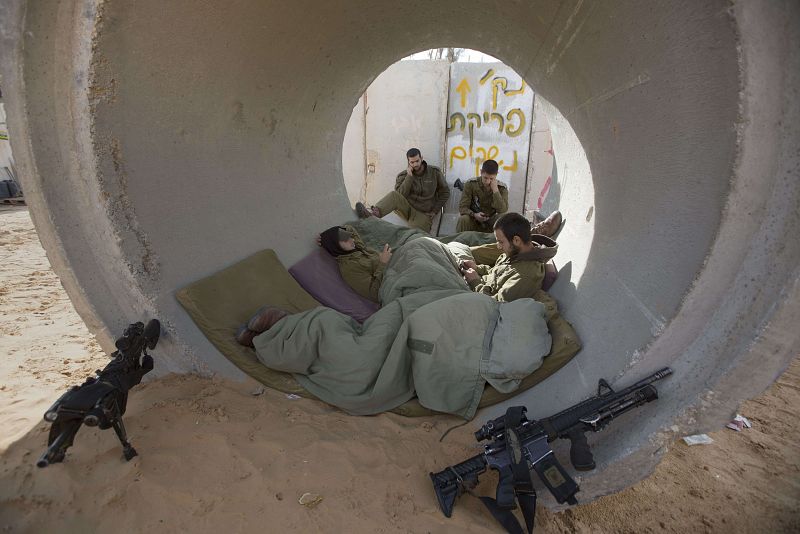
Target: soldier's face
(415,162)
(350,244)
(509,248)
(487,179)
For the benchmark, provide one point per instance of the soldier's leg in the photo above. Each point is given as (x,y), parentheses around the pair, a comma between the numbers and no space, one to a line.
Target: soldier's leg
(419,220)
(466,223)
(394,201)
(486,254)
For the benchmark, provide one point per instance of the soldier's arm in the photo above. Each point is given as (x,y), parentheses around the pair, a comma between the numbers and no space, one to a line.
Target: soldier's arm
(517,286)
(404,183)
(500,200)
(356,237)
(466,199)
(376,280)
(481,286)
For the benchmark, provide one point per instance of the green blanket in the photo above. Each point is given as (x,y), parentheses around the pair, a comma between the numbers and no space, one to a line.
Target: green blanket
(222,301)
(376,232)
(432,337)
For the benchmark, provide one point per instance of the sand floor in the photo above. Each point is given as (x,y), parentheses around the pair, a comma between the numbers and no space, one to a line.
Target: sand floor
(224,456)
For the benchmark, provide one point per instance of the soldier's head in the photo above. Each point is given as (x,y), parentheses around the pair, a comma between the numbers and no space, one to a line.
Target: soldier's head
(489,172)
(513,233)
(414,157)
(337,241)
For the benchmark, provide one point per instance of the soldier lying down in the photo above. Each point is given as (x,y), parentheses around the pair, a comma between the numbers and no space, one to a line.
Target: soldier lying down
(510,269)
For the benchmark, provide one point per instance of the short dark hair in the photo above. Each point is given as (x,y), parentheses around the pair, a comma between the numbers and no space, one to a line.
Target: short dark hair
(512,224)
(490,166)
(413,152)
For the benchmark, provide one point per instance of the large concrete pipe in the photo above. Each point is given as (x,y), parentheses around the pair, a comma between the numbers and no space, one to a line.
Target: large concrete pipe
(159,142)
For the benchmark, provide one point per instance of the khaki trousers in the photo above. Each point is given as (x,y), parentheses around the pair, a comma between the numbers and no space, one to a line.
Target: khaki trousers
(466,223)
(394,201)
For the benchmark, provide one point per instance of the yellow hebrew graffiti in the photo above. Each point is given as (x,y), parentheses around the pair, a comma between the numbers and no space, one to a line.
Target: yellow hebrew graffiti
(482,154)
(453,118)
(475,116)
(499,118)
(463,89)
(457,152)
(496,84)
(509,127)
(513,92)
(513,166)
(486,76)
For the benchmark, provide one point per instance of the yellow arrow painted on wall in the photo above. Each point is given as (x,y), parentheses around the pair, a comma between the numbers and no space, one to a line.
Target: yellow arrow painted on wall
(463,89)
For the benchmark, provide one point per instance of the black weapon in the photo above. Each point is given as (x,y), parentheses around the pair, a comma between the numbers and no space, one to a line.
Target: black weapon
(102,399)
(517,445)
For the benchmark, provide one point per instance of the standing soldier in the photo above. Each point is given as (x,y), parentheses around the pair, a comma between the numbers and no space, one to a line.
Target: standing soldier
(419,193)
(484,199)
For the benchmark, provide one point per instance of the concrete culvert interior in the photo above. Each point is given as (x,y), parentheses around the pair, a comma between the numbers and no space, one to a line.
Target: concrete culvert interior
(160,142)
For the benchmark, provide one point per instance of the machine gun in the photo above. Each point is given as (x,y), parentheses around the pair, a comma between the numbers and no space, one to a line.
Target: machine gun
(101,400)
(517,445)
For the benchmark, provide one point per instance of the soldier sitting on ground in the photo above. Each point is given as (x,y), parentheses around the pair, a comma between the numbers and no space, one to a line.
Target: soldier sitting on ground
(518,272)
(483,200)
(419,194)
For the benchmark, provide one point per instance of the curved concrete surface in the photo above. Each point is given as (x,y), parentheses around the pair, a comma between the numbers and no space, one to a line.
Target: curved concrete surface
(159,142)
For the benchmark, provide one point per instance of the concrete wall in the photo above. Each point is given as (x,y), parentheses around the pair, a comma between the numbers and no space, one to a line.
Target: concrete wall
(404,107)
(5,146)
(543,191)
(150,159)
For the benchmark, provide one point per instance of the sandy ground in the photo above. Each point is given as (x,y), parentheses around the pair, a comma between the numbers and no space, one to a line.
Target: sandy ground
(223,456)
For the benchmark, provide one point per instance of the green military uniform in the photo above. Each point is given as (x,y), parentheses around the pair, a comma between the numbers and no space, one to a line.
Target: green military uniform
(477,198)
(362,269)
(513,278)
(510,278)
(416,196)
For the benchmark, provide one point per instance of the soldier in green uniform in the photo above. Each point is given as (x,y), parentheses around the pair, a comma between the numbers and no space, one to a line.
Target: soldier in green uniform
(519,271)
(361,268)
(484,199)
(419,193)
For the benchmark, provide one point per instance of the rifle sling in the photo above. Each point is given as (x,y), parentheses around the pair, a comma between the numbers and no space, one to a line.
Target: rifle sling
(527,503)
(523,486)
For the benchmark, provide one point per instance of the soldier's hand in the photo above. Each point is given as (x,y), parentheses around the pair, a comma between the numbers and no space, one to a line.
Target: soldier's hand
(493,185)
(386,254)
(469,264)
(410,170)
(471,275)
(319,240)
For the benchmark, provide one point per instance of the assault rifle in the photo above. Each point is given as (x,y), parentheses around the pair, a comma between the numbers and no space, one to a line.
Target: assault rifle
(517,445)
(101,400)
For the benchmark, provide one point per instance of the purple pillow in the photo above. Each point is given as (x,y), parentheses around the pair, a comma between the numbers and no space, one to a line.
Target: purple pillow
(550,275)
(318,273)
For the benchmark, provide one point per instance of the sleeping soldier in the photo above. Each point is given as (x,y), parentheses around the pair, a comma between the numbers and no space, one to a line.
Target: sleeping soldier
(361,267)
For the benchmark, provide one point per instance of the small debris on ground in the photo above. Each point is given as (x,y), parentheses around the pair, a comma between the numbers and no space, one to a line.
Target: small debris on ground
(698,439)
(258,391)
(310,500)
(292,396)
(739,423)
